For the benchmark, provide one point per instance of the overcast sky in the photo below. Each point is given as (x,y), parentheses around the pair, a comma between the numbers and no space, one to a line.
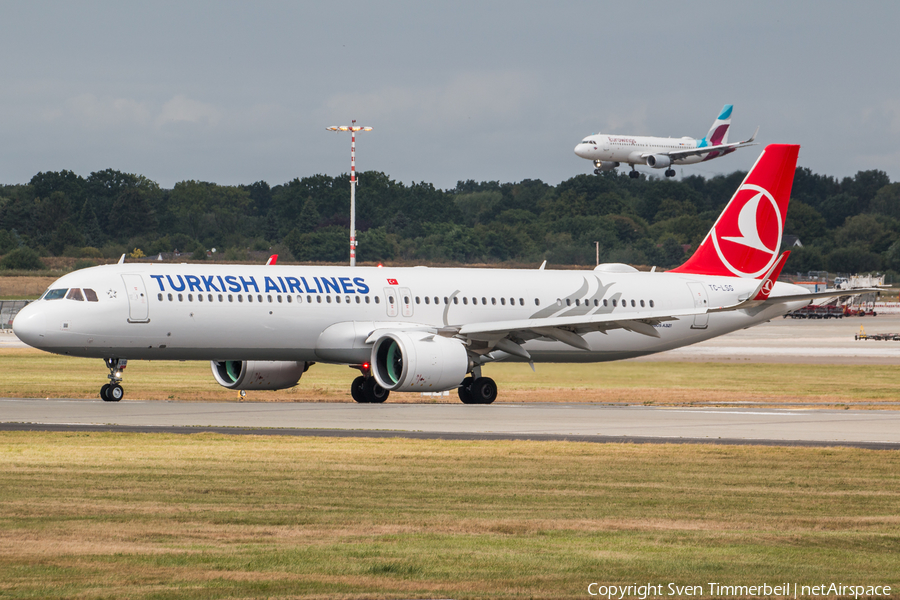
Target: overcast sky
(237,92)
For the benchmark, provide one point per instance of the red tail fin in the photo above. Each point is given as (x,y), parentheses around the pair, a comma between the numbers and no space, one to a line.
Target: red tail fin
(746,239)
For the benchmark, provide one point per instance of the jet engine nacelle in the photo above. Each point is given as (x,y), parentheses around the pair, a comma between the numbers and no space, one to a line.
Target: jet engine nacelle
(258,374)
(605,166)
(658,161)
(418,362)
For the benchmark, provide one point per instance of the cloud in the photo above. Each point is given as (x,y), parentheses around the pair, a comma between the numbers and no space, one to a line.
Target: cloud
(181,109)
(91,111)
(467,99)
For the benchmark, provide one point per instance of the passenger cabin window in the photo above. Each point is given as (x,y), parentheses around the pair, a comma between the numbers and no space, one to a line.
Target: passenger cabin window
(55,294)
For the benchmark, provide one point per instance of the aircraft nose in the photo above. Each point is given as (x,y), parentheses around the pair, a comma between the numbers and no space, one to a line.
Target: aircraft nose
(580,150)
(30,326)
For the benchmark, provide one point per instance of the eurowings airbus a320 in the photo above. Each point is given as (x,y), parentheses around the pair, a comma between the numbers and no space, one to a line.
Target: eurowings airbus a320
(609,151)
(422,329)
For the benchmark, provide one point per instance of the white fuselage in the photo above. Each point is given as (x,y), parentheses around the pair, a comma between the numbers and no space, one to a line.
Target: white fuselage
(326,314)
(633,149)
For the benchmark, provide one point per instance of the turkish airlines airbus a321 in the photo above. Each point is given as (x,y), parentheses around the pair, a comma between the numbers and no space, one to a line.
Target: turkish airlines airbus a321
(421,329)
(609,151)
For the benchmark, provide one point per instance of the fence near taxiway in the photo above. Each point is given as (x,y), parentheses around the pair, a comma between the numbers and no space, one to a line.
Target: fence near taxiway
(8,311)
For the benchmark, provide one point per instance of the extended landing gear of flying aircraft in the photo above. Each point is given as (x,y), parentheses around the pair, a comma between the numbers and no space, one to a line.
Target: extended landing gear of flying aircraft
(633,173)
(366,390)
(670,172)
(112,391)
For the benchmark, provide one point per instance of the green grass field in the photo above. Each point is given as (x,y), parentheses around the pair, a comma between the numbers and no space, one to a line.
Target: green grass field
(104,515)
(31,373)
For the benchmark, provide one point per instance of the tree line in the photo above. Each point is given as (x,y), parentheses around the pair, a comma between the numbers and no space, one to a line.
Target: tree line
(849,225)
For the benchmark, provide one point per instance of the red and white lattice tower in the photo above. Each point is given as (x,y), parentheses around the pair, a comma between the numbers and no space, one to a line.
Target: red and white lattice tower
(353,128)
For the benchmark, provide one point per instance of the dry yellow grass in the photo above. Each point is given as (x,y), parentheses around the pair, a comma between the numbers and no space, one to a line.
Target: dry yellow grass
(32,373)
(214,516)
(24,287)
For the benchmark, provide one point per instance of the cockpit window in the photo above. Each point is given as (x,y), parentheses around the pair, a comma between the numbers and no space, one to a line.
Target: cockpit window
(75,294)
(55,294)
(91,295)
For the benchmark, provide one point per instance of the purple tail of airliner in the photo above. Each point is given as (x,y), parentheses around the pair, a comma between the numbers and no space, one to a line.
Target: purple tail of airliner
(718,134)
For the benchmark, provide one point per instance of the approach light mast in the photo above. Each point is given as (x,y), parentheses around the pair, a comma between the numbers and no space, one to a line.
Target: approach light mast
(353,128)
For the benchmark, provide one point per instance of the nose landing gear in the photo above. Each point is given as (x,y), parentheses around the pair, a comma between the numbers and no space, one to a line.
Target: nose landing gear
(112,391)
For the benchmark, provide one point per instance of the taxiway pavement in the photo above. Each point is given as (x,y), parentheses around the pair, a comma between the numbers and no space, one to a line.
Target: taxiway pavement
(866,428)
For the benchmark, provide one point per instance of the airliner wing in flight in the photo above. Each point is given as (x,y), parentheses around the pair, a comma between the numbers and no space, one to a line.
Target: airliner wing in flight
(705,150)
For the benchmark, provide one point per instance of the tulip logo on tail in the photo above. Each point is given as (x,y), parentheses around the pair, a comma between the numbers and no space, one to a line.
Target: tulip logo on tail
(747,254)
(746,239)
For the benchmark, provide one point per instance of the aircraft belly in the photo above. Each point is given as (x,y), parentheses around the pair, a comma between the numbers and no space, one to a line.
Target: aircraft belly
(636,158)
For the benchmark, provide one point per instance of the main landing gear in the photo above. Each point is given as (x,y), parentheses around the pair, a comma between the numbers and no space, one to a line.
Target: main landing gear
(112,391)
(366,390)
(477,389)
(670,172)
(633,173)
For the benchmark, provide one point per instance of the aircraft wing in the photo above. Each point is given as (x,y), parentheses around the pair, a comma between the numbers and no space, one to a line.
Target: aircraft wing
(676,154)
(771,300)
(508,335)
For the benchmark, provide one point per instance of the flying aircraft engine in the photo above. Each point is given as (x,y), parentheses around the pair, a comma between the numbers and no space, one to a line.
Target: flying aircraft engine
(658,161)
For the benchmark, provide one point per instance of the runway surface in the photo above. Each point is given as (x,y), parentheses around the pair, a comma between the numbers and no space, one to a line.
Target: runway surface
(869,429)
